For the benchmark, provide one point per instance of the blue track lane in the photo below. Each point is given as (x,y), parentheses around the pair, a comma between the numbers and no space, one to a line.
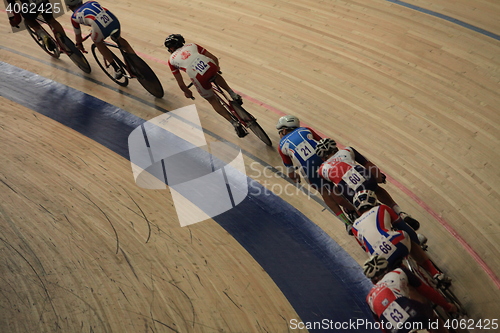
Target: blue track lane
(320,280)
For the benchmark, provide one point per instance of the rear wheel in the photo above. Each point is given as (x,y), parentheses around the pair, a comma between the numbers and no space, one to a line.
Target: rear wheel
(145,75)
(261,134)
(251,123)
(108,69)
(75,54)
(55,52)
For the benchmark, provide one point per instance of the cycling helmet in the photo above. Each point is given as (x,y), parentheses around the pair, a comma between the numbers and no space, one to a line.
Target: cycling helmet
(375,266)
(365,198)
(288,121)
(325,147)
(70,3)
(174,41)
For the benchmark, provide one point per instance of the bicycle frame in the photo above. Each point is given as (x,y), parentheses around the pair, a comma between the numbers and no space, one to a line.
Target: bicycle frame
(130,72)
(227,103)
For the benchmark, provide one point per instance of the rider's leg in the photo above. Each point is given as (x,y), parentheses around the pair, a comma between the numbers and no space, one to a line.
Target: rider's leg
(240,130)
(106,53)
(56,26)
(33,24)
(219,108)
(422,259)
(223,84)
(125,45)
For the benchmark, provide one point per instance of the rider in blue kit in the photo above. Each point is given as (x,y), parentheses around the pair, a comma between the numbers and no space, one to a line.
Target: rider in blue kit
(297,150)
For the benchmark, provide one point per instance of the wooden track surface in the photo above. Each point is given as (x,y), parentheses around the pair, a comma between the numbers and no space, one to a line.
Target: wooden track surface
(416,94)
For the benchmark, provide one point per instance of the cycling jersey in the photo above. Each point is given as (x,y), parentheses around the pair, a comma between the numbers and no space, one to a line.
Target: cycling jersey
(373,230)
(101,20)
(390,300)
(345,170)
(191,59)
(297,149)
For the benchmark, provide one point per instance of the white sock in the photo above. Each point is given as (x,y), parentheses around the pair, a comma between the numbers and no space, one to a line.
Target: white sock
(397,209)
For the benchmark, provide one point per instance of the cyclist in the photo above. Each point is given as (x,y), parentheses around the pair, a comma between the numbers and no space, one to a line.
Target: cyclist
(103,24)
(202,67)
(379,230)
(30,14)
(399,298)
(351,172)
(296,148)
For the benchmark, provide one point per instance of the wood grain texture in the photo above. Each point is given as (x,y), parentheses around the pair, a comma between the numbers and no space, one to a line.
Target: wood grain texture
(416,94)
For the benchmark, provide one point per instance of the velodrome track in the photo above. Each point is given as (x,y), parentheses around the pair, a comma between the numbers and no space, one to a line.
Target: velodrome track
(85,249)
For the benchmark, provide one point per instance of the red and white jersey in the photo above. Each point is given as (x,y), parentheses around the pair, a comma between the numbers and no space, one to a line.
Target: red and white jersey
(340,165)
(392,286)
(374,228)
(191,59)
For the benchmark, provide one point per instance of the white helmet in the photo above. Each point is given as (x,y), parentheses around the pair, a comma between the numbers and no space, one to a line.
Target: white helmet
(288,121)
(72,2)
(365,198)
(375,266)
(325,147)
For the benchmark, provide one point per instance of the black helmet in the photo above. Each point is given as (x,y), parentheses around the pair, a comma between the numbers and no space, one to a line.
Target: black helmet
(174,41)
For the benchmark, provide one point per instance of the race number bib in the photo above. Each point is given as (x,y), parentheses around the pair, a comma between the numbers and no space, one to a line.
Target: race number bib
(384,248)
(200,66)
(353,178)
(305,150)
(103,19)
(395,314)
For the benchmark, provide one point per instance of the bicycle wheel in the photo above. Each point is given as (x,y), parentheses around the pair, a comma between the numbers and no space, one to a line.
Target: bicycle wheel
(108,69)
(75,54)
(55,53)
(145,75)
(251,123)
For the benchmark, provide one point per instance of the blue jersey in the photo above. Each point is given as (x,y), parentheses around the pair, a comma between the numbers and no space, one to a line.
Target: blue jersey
(297,149)
(92,14)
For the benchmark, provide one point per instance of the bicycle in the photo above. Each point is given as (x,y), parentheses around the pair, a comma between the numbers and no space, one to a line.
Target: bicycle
(132,67)
(61,43)
(444,290)
(238,113)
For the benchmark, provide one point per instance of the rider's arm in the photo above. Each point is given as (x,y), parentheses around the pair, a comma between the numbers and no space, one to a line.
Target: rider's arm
(78,31)
(182,85)
(316,136)
(290,169)
(208,54)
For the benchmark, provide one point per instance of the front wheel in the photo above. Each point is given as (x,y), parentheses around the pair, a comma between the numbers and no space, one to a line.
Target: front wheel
(108,69)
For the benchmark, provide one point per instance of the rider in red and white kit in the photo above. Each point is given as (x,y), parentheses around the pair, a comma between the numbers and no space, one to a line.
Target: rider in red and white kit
(202,67)
(379,230)
(399,298)
(352,172)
